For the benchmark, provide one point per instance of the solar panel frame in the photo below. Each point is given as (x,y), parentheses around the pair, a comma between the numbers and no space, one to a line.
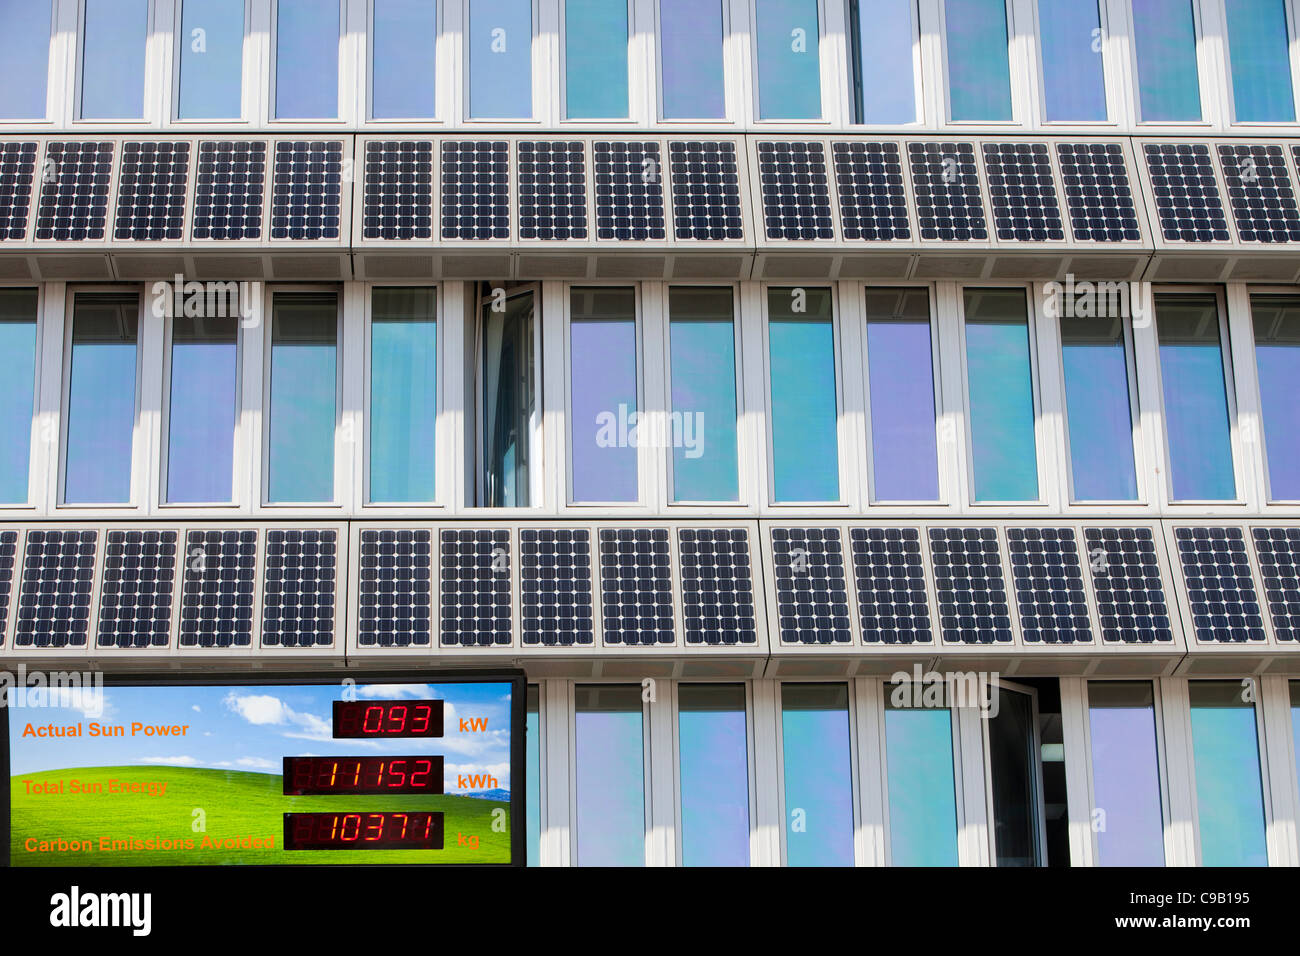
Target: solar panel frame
(168,583)
(201,584)
(581,224)
(787,171)
(852,200)
(140,153)
(1046,193)
(1198,155)
(1080,202)
(630,205)
(574,551)
(1107,546)
(19,189)
(85,551)
(968,192)
(283,159)
(253,170)
(1203,538)
(379,149)
(500,226)
(341,585)
(492,537)
(1275,548)
(95,175)
(694,579)
(986,538)
(862,540)
(843,629)
(682,193)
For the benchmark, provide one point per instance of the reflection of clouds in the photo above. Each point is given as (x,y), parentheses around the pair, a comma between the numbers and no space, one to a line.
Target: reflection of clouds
(264,709)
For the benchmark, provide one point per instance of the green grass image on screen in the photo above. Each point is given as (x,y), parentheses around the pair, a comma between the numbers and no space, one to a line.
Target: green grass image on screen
(236,803)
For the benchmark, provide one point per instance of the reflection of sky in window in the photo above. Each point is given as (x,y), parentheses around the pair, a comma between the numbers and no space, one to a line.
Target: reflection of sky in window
(714,773)
(818,775)
(595,59)
(904,456)
(500,59)
(101,400)
(17,390)
(789,74)
(403,395)
(703,372)
(403,39)
(979,72)
(1069,36)
(690,58)
(112,59)
(1277,358)
(1003,448)
(602,360)
(886,36)
(1126,773)
(212,75)
(922,791)
(1261,67)
(303,398)
(1229,799)
(801,348)
(25,55)
(1164,35)
(1100,421)
(610,774)
(307,59)
(201,431)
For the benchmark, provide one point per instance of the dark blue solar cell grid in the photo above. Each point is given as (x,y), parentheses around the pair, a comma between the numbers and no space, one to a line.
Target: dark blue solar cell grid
(1220,588)
(552,191)
(217,588)
(75,181)
(555,584)
(307,191)
(1186,193)
(54,597)
(1278,550)
(873,201)
(229,190)
(135,596)
(476,190)
(629,191)
(706,190)
(151,192)
(717,586)
(1131,603)
(1260,192)
(8,562)
(1023,192)
(475,578)
(812,598)
(636,586)
(973,607)
(1049,585)
(298,596)
(796,191)
(395,593)
(17,175)
(890,573)
(399,190)
(1098,192)
(946,185)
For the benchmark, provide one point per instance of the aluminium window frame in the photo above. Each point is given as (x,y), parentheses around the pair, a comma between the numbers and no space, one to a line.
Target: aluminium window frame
(1293,60)
(42,424)
(1038,811)
(248,70)
(637,67)
(853,119)
(730,94)
(151,63)
(366,73)
(346,74)
(55,70)
(1111,74)
(542,52)
(1018,75)
(1208,72)
(830,76)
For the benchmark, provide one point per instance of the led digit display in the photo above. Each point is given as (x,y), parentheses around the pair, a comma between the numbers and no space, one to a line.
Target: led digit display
(307,776)
(417,830)
(387,718)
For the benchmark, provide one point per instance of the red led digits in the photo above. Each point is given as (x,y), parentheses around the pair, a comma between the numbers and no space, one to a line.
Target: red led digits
(363,831)
(387,718)
(305,776)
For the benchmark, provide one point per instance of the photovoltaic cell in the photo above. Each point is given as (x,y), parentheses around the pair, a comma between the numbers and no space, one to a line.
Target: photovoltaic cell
(75,180)
(717,586)
(1260,192)
(706,190)
(54,597)
(1278,550)
(552,191)
(135,597)
(1049,585)
(1098,192)
(890,573)
(636,586)
(475,190)
(17,176)
(555,584)
(796,190)
(475,576)
(1023,192)
(629,191)
(946,185)
(395,591)
(217,588)
(307,190)
(8,564)
(873,202)
(298,589)
(1131,603)
(972,593)
(1220,589)
(151,192)
(812,598)
(1186,194)
(399,190)
(229,190)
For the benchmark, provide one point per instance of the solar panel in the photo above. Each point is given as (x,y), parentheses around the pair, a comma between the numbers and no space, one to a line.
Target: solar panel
(796,190)
(552,191)
(890,573)
(636,586)
(298,589)
(54,597)
(395,590)
(1131,603)
(135,596)
(217,588)
(555,585)
(1220,588)
(475,190)
(228,190)
(1049,585)
(1023,192)
(398,190)
(1278,550)
(8,562)
(706,190)
(717,586)
(475,578)
(151,192)
(1260,192)
(629,191)
(947,190)
(1186,194)
(873,202)
(1098,192)
(972,593)
(812,598)
(74,191)
(17,174)
(307,190)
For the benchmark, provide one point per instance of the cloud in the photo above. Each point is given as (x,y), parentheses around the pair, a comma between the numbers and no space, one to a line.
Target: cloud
(395,691)
(258,763)
(181,761)
(264,710)
(197,709)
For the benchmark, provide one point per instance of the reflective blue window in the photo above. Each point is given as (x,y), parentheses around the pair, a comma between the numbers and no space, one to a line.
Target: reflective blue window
(1229,794)
(1196,400)
(501,59)
(533,772)
(1070,47)
(1295,724)
(304,397)
(883,34)
(211,49)
(403,39)
(595,59)
(713,755)
(1277,359)
(113,42)
(979,71)
(690,59)
(24,57)
(818,774)
(904,456)
(789,73)
(307,59)
(703,371)
(17,391)
(603,431)
(1164,33)
(1129,820)
(921,784)
(403,394)
(1095,363)
(202,410)
(609,770)
(801,360)
(1258,45)
(1003,448)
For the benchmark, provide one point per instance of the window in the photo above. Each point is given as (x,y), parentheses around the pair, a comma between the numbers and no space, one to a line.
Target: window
(882,36)
(1094,359)
(202,409)
(509,400)
(713,755)
(818,774)
(1229,794)
(24,59)
(595,59)
(501,59)
(702,348)
(1258,45)
(1013,770)
(1001,408)
(1196,401)
(922,787)
(403,394)
(307,59)
(979,68)
(1295,724)
(609,774)
(533,772)
(603,420)
(1277,359)
(801,361)
(17,391)
(789,72)
(211,45)
(114,34)
(1164,34)
(904,455)
(101,398)
(1070,50)
(1127,810)
(304,397)
(403,40)
(690,59)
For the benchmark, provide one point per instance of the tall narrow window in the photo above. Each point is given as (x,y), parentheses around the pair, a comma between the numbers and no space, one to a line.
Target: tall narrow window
(114,34)
(1094,357)
(1070,48)
(403,40)
(403,394)
(713,754)
(883,36)
(921,784)
(595,59)
(211,50)
(1125,774)
(1229,794)
(202,410)
(101,398)
(304,397)
(17,391)
(801,360)
(1295,724)
(501,59)
(603,433)
(703,369)
(533,773)
(1164,34)
(508,395)
(1196,400)
(24,57)
(979,68)
(1277,359)
(789,72)
(1258,51)
(818,774)
(307,59)
(690,59)
(1013,769)
(609,775)
(904,455)
(1000,380)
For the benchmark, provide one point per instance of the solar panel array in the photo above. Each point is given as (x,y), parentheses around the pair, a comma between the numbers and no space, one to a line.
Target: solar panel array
(1220,588)
(151,188)
(706,190)
(8,568)
(298,589)
(1131,603)
(717,586)
(395,588)
(636,586)
(307,190)
(629,191)
(475,190)
(795,188)
(973,605)
(873,200)
(399,179)
(555,587)
(75,183)
(552,190)
(812,598)
(135,594)
(229,190)
(1098,192)
(889,569)
(1186,193)
(217,588)
(946,187)
(1260,192)
(1048,578)
(474,566)
(1023,192)
(1278,550)
(17,174)
(54,598)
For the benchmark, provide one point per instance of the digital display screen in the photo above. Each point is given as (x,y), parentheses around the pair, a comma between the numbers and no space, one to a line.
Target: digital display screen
(387,718)
(363,831)
(369,775)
